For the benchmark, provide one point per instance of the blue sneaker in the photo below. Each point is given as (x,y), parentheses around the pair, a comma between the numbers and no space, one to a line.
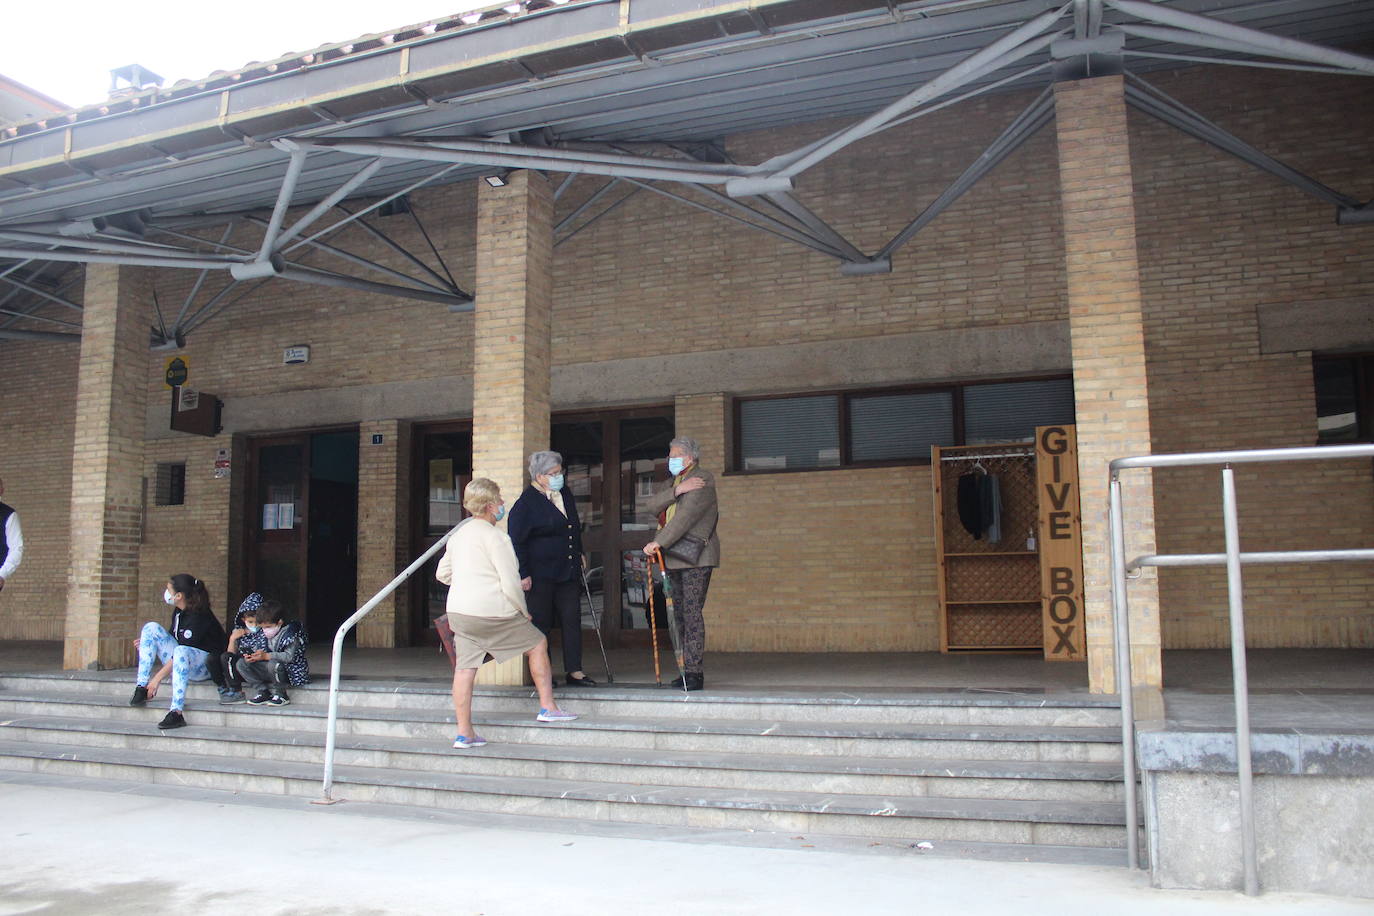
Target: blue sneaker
(229,697)
(464,742)
(556,715)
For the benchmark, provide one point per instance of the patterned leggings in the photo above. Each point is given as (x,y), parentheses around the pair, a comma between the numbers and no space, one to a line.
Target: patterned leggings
(188,663)
(689,597)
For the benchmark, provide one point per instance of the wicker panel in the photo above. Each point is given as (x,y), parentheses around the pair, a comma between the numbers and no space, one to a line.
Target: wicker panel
(995,626)
(992,578)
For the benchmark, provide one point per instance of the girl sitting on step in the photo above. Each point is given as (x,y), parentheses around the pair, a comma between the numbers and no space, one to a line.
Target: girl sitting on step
(190,652)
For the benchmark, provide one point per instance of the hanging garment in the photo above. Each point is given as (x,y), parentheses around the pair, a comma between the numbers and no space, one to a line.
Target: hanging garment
(991,499)
(970,503)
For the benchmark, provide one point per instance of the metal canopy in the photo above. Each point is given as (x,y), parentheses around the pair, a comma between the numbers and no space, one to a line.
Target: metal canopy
(636,94)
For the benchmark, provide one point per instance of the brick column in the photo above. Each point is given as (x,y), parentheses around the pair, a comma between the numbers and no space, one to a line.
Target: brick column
(1111,394)
(383,529)
(107,470)
(511,343)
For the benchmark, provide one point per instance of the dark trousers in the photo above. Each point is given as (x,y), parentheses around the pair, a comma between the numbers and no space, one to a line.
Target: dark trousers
(560,603)
(214,663)
(229,666)
(689,598)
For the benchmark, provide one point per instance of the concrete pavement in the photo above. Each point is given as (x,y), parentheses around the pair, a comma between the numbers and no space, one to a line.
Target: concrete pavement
(72,846)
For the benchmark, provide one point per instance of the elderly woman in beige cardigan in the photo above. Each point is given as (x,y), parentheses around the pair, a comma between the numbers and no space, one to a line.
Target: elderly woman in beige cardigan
(486,609)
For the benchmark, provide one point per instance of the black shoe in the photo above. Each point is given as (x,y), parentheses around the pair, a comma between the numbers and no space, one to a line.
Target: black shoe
(173,719)
(694,682)
(140,697)
(582,681)
(262,698)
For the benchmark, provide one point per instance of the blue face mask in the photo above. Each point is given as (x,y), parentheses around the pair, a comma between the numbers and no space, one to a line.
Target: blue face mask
(556,482)
(168,597)
(676,465)
(500,513)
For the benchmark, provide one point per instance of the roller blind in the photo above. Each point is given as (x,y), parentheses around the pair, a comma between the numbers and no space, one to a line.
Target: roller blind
(785,433)
(884,427)
(1009,411)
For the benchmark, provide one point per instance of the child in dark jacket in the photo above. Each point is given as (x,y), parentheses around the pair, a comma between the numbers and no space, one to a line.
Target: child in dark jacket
(273,657)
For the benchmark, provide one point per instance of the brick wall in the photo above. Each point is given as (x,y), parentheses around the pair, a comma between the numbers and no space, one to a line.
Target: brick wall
(1215,239)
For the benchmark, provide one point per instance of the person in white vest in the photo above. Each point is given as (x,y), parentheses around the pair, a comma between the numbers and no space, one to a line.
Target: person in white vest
(11,540)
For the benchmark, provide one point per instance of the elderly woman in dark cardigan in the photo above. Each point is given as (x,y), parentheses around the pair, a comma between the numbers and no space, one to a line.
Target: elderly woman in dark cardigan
(547,536)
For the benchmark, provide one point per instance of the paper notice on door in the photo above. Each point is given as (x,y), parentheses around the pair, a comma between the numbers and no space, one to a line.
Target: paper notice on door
(269,516)
(286,515)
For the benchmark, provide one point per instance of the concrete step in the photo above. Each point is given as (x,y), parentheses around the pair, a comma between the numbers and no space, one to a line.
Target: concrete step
(906,847)
(1094,782)
(934,818)
(936,707)
(942,742)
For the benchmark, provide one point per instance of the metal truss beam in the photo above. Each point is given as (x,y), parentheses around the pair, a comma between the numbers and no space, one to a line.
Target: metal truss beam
(15,334)
(1152,101)
(1022,128)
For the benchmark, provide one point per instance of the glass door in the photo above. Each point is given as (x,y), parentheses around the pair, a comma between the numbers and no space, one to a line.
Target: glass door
(443,454)
(611,503)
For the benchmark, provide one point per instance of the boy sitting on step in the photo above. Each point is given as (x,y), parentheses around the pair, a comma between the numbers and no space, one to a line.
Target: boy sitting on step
(273,657)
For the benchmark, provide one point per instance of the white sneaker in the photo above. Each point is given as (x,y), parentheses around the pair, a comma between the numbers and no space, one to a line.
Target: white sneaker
(555,715)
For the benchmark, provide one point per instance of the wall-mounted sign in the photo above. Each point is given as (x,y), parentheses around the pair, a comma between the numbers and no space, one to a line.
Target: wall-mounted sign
(1061,542)
(176,370)
(294,356)
(221,463)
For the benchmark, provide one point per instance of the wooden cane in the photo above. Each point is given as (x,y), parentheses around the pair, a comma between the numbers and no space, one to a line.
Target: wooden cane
(653,627)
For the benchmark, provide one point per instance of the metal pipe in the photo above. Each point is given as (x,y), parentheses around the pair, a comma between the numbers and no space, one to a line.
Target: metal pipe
(331,724)
(363,262)
(1271,44)
(1236,600)
(522,161)
(1150,100)
(323,206)
(84,257)
(325,278)
(1122,649)
(1281,556)
(547,153)
(775,227)
(442,282)
(586,204)
(1243,456)
(15,334)
(1002,51)
(29,288)
(375,205)
(816,226)
(105,245)
(284,195)
(1232,62)
(200,281)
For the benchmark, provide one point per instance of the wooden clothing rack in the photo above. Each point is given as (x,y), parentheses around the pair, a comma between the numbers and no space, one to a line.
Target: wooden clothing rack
(990,594)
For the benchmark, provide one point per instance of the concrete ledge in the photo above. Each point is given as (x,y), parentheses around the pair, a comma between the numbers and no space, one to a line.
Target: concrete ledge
(1314,809)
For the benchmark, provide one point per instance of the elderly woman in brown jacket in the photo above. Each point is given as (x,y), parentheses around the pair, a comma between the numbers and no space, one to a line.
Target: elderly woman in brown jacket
(689,513)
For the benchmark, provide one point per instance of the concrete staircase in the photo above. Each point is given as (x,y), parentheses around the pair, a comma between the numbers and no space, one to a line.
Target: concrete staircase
(998,774)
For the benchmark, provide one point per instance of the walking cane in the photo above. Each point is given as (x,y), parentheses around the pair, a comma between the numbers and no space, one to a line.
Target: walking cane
(653,625)
(596,621)
(671,612)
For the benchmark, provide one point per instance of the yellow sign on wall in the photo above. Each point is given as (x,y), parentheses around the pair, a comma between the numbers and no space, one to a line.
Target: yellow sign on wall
(176,370)
(1061,542)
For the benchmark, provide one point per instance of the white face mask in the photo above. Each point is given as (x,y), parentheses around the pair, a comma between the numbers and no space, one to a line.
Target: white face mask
(269,632)
(168,597)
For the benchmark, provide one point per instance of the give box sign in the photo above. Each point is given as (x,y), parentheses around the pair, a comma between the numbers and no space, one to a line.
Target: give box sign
(1061,542)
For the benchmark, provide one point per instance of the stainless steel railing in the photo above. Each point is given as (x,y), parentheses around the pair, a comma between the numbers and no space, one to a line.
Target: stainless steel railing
(336,660)
(1232,559)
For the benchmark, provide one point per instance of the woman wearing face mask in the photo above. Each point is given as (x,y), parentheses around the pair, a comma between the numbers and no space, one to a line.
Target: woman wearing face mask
(190,652)
(486,609)
(547,537)
(691,550)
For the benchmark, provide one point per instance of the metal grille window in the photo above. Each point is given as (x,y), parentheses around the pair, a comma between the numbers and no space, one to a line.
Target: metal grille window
(784,433)
(1010,411)
(874,427)
(890,427)
(170,484)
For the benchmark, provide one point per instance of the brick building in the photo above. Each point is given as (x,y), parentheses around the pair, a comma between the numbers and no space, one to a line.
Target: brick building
(1185,299)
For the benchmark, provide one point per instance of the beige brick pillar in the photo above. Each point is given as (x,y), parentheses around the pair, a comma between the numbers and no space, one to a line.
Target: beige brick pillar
(107,470)
(383,530)
(1111,394)
(510,412)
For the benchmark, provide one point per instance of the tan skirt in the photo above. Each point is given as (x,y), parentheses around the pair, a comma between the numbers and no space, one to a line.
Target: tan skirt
(501,638)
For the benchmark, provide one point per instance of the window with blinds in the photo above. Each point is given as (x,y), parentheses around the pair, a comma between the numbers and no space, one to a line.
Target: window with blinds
(873,427)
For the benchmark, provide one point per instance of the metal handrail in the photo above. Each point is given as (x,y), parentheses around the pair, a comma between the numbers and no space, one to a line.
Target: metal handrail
(1232,559)
(337,657)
